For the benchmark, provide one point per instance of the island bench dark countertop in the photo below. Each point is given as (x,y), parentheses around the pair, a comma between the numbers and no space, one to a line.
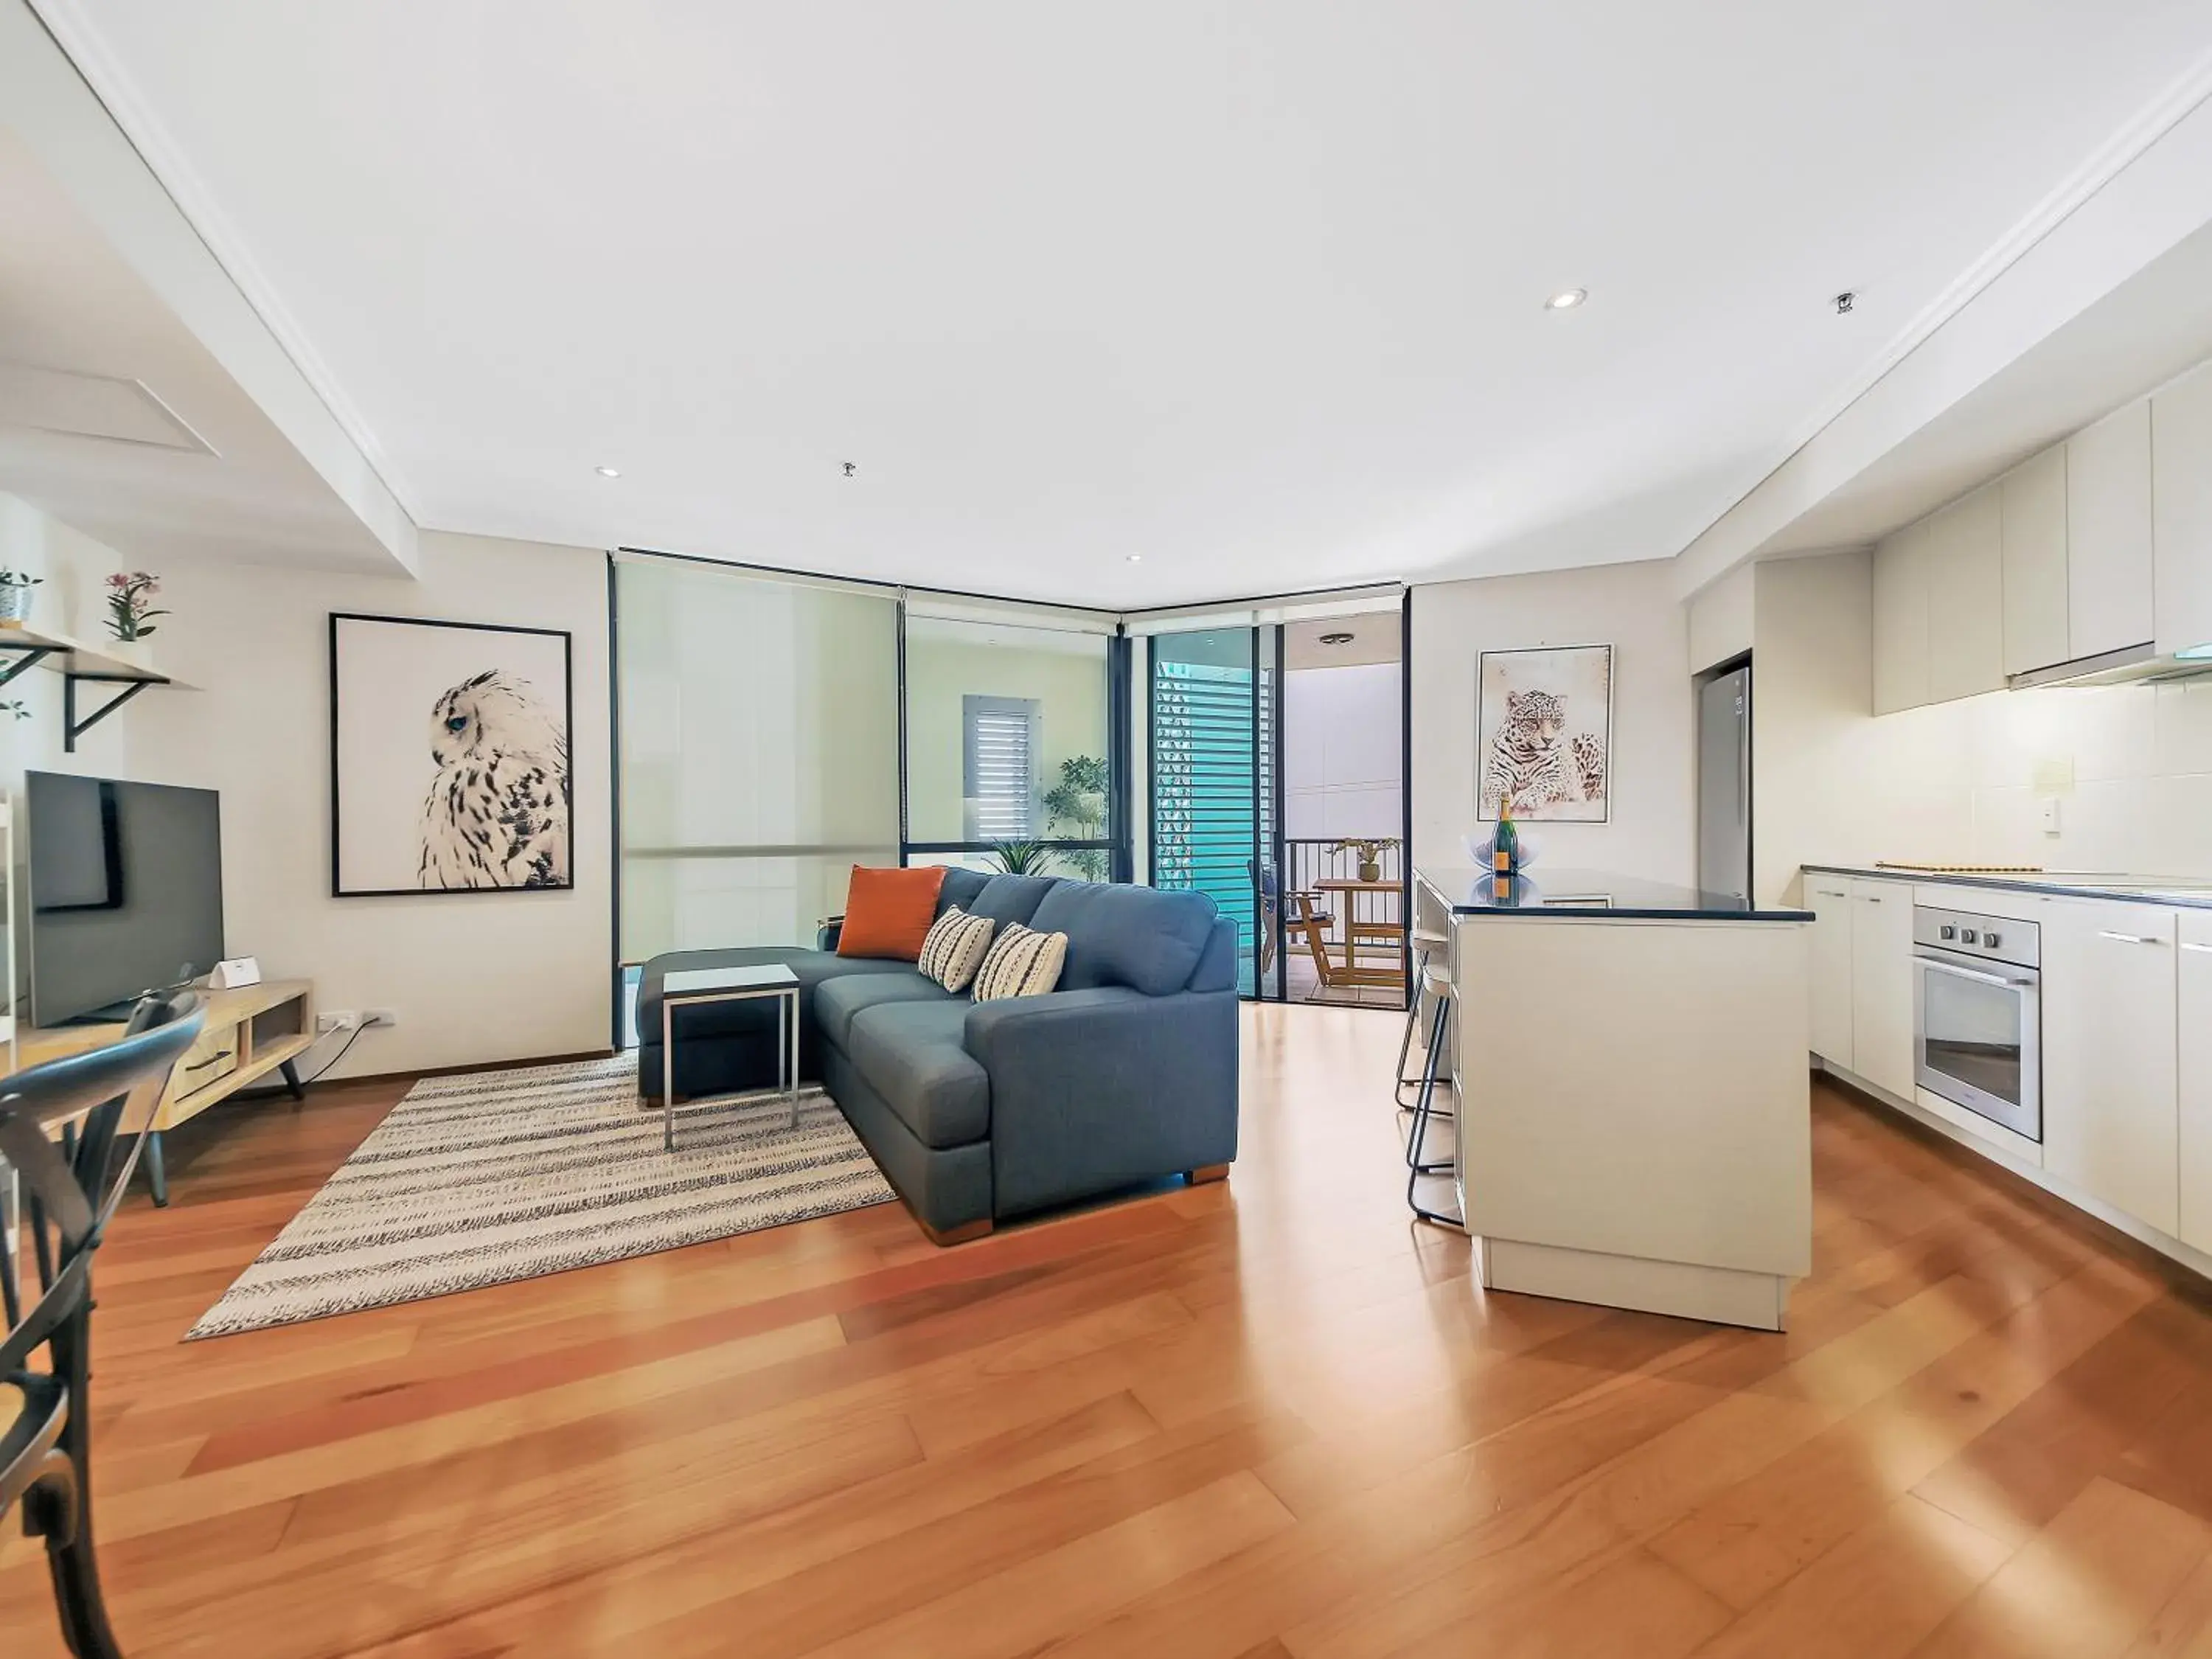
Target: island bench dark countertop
(1466,890)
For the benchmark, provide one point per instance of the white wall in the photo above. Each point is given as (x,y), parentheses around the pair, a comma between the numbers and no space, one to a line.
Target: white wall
(473,977)
(1720,620)
(1341,754)
(1958,782)
(1632,607)
(73,568)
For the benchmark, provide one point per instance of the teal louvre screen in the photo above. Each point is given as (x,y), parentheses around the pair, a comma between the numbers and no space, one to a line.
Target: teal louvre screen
(1214,747)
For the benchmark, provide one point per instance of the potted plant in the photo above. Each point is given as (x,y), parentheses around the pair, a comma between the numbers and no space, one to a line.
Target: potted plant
(1021,857)
(1075,808)
(130,612)
(1370,850)
(15,594)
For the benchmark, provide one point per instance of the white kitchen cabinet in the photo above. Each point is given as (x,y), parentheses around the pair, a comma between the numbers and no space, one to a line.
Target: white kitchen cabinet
(2108,535)
(2193,1004)
(1829,899)
(2181,511)
(1881,985)
(2111,1109)
(2035,574)
(1966,596)
(1901,619)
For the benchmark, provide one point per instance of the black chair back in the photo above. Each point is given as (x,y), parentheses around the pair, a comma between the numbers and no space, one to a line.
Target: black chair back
(72,1191)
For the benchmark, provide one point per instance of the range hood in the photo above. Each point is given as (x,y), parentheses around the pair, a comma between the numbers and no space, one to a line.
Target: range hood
(2131,665)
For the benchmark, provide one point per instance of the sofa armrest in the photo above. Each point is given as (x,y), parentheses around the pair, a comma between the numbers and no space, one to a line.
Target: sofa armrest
(1100,1089)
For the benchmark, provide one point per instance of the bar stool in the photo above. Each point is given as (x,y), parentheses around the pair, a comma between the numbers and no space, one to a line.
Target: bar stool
(1436,980)
(1427,947)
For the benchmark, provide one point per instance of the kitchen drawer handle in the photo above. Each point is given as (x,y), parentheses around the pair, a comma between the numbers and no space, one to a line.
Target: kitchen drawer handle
(2129,939)
(1868,898)
(2206,948)
(202,1065)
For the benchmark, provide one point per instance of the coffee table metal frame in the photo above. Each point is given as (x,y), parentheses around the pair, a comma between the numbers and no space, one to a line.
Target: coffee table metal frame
(785,990)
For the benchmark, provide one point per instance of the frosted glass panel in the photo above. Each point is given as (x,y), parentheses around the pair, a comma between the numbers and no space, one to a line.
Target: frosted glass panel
(759,753)
(978,694)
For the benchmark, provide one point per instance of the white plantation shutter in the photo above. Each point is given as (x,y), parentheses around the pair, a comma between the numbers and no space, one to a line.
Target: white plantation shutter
(999,767)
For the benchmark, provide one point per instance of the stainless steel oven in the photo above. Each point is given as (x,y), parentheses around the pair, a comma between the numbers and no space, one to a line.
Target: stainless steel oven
(1978,1015)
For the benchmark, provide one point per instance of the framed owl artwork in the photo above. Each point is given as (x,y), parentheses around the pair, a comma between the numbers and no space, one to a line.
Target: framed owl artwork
(1544,734)
(449,757)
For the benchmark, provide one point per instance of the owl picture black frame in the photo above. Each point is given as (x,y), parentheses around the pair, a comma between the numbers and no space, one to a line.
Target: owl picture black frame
(338,622)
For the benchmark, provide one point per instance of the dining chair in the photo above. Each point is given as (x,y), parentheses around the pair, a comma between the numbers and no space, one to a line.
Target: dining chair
(72,1190)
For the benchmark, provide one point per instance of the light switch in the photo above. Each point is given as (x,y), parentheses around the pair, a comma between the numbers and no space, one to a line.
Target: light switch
(2050,815)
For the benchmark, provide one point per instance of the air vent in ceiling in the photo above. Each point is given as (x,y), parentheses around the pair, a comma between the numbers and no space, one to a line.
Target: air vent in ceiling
(60,400)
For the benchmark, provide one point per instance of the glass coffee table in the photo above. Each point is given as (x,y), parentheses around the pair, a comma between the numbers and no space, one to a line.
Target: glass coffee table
(692,987)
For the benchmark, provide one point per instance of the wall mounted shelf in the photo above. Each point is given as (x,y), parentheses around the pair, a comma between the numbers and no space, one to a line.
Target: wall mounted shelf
(23,647)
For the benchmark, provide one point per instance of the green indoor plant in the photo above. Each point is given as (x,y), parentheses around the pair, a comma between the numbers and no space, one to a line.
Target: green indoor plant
(1021,857)
(1075,810)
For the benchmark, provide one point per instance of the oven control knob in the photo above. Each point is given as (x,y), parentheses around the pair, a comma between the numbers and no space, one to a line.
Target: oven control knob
(1947,931)
(1967,936)
(1991,941)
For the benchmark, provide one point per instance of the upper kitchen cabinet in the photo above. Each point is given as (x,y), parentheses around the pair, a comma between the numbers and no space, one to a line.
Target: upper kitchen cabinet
(2036,576)
(1901,619)
(2108,537)
(2181,511)
(1966,596)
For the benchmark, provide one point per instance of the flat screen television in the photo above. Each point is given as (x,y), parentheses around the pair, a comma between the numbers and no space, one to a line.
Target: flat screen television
(126,892)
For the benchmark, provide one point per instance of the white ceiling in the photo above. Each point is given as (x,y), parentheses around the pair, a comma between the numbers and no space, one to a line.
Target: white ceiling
(2152,327)
(85,346)
(1253,290)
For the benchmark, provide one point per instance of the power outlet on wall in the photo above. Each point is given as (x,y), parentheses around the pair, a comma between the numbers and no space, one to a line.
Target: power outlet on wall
(336,1019)
(379,1017)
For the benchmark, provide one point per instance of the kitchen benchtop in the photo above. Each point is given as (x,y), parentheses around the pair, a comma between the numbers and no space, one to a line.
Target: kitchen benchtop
(1467,890)
(2168,891)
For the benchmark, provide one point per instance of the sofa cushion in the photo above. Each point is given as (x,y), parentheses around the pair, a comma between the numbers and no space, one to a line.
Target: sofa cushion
(1022,963)
(1012,898)
(888,912)
(1143,937)
(840,1000)
(812,969)
(955,949)
(911,1055)
(960,889)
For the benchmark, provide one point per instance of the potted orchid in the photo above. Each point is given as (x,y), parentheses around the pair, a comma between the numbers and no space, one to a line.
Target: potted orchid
(16,595)
(131,610)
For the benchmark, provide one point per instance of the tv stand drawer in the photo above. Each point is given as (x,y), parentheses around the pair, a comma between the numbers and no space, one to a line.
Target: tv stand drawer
(214,1055)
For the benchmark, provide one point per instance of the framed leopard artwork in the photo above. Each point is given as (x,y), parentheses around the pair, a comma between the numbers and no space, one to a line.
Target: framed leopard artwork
(1544,734)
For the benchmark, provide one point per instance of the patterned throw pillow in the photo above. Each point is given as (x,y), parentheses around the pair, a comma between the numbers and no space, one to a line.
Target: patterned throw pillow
(1022,963)
(955,948)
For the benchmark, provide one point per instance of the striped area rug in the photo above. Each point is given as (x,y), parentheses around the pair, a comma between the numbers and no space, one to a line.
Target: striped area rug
(491,1176)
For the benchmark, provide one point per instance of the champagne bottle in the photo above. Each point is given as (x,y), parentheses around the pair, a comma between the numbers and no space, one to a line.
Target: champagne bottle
(1505,845)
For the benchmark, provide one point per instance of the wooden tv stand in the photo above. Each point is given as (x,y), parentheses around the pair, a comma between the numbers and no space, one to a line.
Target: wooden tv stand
(250,1032)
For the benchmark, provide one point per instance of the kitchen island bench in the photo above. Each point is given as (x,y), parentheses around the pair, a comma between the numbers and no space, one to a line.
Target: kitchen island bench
(1634,1111)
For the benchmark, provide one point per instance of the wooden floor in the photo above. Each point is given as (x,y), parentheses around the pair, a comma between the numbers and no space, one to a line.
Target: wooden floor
(1262,1418)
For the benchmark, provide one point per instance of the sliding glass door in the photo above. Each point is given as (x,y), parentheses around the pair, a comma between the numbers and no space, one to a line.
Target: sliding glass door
(757,756)
(1214,701)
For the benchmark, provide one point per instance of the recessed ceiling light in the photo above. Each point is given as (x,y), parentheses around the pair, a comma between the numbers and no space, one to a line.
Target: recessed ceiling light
(2193,653)
(1566,298)
(1336,638)
(608,472)
(1136,558)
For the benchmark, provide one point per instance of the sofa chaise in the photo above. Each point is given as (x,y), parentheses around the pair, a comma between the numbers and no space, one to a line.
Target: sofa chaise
(977,1112)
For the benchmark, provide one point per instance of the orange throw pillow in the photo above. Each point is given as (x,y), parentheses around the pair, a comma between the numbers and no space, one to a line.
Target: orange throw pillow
(888,912)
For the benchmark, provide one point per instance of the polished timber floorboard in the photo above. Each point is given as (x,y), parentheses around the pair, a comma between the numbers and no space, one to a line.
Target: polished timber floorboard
(1265,1418)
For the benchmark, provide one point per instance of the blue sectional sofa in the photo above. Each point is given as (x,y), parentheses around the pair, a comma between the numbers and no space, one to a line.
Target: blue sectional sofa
(977,1112)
